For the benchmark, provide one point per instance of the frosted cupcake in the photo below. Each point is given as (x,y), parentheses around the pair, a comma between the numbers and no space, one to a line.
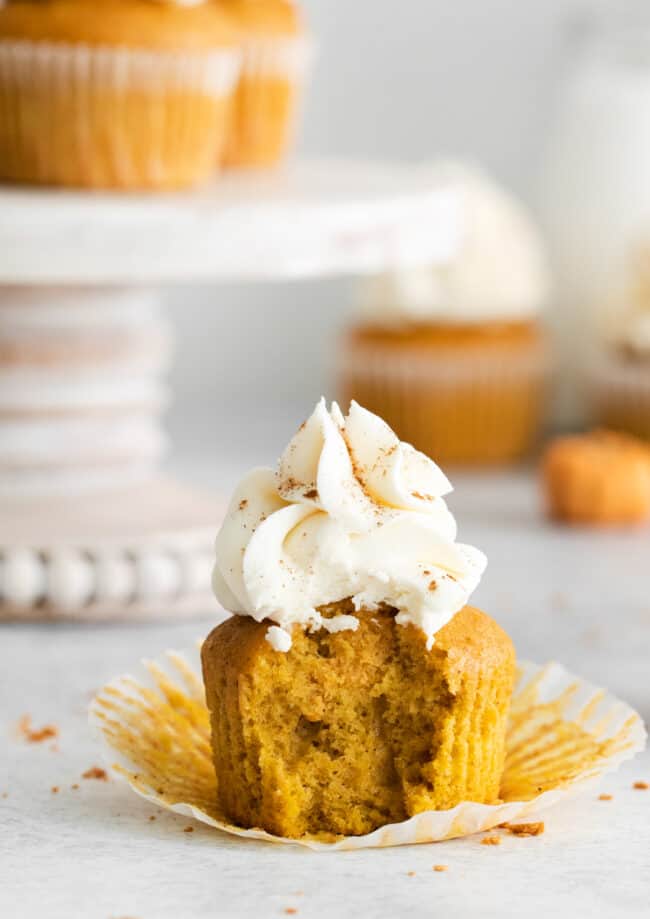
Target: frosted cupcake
(276,53)
(114,93)
(353,687)
(453,355)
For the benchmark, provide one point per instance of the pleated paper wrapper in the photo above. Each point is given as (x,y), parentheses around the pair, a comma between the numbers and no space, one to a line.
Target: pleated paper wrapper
(563,735)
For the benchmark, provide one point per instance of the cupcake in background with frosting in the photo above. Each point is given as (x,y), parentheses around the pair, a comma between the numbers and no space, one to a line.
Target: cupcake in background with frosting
(276,51)
(453,355)
(619,379)
(120,94)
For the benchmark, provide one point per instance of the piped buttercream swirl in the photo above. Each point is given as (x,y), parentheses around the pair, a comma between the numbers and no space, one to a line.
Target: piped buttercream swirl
(351,512)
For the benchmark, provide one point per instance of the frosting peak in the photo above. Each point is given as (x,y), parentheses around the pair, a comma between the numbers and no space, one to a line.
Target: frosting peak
(351,512)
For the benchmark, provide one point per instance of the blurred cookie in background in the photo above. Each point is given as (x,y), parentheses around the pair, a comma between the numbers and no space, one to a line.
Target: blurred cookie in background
(600,478)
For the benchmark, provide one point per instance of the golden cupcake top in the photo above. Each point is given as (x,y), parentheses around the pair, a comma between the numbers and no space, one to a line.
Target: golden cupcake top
(274,17)
(157,24)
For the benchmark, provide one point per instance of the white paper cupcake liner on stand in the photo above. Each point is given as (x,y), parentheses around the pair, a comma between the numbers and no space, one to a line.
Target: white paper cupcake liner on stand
(564,734)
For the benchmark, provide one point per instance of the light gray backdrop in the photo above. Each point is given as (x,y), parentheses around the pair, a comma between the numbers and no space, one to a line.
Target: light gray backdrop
(404,81)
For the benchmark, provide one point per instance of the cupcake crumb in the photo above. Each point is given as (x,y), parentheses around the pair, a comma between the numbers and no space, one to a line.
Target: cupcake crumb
(188,829)
(74,786)
(36,735)
(641,786)
(5,794)
(410,874)
(152,817)
(491,841)
(441,867)
(291,910)
(95,772)
(54,789)
(605,797)
(524,829)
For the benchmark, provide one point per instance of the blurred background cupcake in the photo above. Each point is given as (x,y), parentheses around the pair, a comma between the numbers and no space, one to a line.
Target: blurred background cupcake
(276,52)
(453,355)
(620,374)
(114,93)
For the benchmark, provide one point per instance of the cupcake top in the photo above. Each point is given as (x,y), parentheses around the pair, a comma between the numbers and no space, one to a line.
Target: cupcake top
(496,271)
(265,17)
(351,512)
(163,24)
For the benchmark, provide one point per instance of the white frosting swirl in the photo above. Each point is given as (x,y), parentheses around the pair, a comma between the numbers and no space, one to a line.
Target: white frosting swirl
(497,270)
(351,512)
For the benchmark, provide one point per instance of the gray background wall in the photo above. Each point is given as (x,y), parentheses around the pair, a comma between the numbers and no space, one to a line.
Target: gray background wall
(403,81)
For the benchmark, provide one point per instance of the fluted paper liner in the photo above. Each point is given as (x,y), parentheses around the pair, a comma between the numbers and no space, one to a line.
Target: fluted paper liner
(563,734)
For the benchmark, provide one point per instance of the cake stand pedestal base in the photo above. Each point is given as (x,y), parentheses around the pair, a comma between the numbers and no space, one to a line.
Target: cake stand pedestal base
(142,552)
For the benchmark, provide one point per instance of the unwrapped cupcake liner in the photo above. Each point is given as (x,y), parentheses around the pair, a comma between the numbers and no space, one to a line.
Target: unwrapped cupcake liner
(619,393)
(563,735)
(467,407)
(72,114)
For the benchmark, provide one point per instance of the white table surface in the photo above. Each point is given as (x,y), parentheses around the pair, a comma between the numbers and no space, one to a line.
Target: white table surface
(580,597)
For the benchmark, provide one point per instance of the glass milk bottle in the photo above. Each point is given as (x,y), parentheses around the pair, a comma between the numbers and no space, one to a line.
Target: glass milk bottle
(595,187)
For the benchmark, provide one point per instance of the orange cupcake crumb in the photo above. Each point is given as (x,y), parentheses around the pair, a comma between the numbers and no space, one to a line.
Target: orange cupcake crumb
(36,735)
(598,478)
(441,867)
(491,841)
(95,772)
(605,797)
(524,829)
(641,786)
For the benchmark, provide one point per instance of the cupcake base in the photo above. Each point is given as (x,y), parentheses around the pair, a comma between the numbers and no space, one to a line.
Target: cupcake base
(155,729)
(79,116)
(461,395)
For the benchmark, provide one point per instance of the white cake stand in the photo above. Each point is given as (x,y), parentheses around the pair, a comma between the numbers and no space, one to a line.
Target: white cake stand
(88,528)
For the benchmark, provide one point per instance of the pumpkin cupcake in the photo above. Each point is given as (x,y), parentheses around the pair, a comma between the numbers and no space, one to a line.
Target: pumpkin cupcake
(453,355)
(276,52)
(114,93)
(598,478)
(353,688)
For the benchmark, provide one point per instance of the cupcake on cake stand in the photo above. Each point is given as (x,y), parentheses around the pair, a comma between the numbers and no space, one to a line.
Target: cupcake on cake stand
(89,528)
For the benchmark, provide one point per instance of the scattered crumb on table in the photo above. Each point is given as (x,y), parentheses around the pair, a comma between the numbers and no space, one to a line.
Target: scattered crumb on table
(152,817)
(291,910)
(410,874)
(524,829)
(95,772)
(54,789)
(641,786)
(188,829)
(36,735)
(441,867)
(491,841)
(605,797)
